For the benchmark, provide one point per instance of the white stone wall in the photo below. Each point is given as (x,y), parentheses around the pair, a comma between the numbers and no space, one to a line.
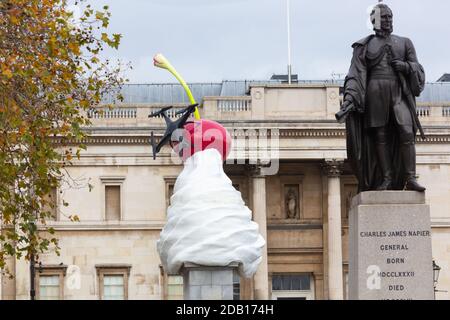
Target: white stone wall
(86,249)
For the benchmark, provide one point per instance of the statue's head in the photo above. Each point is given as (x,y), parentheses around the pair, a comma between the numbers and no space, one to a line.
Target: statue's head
(382,19)
(291,194)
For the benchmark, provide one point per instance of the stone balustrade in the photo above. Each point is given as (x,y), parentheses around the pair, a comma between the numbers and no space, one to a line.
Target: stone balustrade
(275,102)
(433,113)
(446,111)
(171,113)
(110,113)
(423,111)
(234,104)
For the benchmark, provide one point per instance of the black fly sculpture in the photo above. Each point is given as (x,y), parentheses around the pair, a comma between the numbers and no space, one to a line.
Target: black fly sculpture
(171,126)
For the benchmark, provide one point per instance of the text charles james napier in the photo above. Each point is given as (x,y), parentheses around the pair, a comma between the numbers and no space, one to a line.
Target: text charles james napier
(397,233)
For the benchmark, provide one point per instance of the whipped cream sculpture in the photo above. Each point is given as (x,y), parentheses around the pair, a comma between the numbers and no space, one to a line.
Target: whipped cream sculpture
(208,222)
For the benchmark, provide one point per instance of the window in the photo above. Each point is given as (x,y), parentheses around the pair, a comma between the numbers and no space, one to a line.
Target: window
(112,197)
(290,282)
(170,183)
(171,285)
(171,186)
(113,287)
(236,286)
(345,279)
(113,281)
(51,205)
(112,203)
(50,282)
(345,285)
(49,287)
(292,287)
(174,287)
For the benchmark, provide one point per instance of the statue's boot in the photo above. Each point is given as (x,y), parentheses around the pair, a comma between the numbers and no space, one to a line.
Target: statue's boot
(386,167)
(409,160)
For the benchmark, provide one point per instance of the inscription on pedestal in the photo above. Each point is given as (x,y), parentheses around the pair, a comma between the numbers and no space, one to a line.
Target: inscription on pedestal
(390,247)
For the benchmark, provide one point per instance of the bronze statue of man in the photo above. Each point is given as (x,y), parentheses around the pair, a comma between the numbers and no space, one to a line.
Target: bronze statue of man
(380,89)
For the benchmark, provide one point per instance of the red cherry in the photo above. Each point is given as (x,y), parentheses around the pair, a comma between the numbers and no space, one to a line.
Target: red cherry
(205,134)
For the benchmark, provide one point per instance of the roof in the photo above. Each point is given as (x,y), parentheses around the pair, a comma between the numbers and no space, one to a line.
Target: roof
(436,92)
(284,77)
(173,93)
(445,78)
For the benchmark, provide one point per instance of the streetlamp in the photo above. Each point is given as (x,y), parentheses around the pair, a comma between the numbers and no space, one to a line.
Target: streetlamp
(436,270)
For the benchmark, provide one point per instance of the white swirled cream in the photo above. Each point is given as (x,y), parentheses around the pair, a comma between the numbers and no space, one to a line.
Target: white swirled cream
(207,222)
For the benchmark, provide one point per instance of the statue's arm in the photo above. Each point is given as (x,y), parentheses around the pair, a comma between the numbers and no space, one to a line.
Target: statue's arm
(411,55)
(417,72)
(355,82)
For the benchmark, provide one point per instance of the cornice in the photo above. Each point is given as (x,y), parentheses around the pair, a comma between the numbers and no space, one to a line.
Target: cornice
(123,138)
(104,225)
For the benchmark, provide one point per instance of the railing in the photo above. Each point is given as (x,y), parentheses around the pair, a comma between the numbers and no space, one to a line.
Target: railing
(423,111)
(230,108)
(238,104)
(433,112)
(171,113)
(106,113)
(446,111)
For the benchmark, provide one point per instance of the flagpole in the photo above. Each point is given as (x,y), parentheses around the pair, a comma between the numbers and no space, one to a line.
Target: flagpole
(288,9)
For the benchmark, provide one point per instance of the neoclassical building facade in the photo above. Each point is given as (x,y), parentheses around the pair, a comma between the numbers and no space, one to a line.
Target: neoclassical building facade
(288,161)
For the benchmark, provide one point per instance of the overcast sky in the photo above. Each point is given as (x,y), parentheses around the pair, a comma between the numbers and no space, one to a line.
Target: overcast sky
(214,40)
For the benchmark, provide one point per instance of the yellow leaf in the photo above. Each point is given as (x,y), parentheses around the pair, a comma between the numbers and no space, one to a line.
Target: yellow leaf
(14,20)
(7,73)
(84,103)
(105,37)
(74,218)
(74,48)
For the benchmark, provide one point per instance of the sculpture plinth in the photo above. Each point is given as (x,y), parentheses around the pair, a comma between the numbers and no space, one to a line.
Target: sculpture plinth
(390,247)
(208,283)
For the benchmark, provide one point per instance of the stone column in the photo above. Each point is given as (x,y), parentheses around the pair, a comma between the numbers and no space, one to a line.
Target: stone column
(261,278)
(333,169)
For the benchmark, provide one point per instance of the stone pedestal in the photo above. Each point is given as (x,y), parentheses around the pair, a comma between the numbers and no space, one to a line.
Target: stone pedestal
(390,246)
(208,283)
